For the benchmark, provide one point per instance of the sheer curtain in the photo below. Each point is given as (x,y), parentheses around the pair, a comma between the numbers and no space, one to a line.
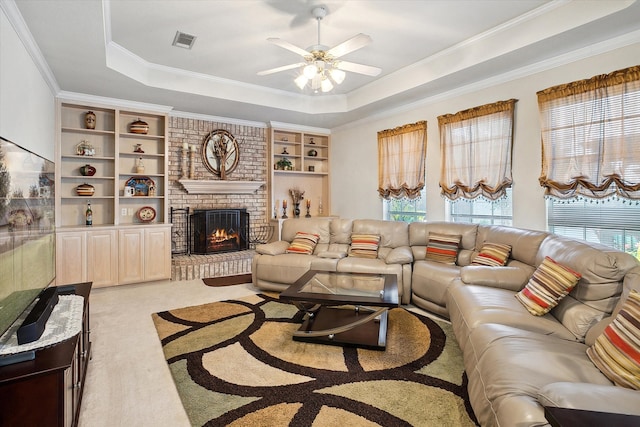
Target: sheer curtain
(476,147)
(591,137)
(401,161)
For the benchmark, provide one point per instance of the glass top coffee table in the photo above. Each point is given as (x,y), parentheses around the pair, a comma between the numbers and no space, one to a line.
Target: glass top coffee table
(349,309)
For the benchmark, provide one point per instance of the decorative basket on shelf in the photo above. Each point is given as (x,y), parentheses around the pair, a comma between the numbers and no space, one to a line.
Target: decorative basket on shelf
(139,126)
(85,190)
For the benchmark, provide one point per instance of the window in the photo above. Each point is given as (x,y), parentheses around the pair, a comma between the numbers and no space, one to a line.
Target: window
(591,158)
(406,210)
(482,211)
(612,223)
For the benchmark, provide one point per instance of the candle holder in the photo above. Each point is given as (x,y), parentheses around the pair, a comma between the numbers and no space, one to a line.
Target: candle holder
(192,165)
(284,212)
(275,212)
(308,215)
(184,164)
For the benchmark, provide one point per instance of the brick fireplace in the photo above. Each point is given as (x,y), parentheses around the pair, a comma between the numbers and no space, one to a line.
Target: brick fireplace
(252,167)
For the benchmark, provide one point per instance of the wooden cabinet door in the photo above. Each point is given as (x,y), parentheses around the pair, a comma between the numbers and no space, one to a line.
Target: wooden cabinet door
(71,260)
(102,258)
(157,254)
(131,255)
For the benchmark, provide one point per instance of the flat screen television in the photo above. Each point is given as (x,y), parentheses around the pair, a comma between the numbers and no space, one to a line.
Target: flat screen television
(27,230)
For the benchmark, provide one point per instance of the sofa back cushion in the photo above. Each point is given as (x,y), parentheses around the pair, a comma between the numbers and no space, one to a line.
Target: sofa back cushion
(419,237)
(341,231)
(602,268)
(524,243)
(319,226)
(392,234)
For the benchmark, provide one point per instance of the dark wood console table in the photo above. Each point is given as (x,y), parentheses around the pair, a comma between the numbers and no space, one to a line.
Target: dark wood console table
(47,391)
(566,417)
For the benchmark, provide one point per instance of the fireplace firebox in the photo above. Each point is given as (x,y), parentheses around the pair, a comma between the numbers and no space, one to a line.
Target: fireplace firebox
(219,230)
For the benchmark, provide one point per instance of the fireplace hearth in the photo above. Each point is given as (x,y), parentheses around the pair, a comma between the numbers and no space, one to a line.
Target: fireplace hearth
(219,230)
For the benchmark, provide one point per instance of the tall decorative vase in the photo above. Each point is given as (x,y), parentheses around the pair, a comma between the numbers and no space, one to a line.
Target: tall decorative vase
(296,210)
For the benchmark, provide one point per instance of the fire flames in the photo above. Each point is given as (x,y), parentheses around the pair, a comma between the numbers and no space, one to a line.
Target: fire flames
(220,239)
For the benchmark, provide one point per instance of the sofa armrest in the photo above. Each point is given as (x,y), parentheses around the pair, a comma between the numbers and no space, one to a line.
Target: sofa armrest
(273,248)
(399,255)
(510,278)
(592,397)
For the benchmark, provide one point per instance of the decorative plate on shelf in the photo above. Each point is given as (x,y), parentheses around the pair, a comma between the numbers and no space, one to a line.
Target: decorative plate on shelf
(146,214)
(140,185)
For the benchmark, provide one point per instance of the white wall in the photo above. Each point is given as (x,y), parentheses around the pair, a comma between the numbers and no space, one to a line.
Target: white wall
(27,104)
(354,147)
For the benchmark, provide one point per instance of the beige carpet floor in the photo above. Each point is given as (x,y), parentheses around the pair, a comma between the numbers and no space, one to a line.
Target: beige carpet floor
(128,380)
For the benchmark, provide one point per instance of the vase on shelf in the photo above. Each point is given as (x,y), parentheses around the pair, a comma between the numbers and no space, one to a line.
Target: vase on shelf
(90,120)
(296,210)
(87,170)
(140,166)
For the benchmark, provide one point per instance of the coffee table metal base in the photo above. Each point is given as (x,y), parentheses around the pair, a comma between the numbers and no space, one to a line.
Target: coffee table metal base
(360,327)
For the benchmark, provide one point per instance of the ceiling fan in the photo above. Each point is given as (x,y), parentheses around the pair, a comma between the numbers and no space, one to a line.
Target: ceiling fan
(322,64)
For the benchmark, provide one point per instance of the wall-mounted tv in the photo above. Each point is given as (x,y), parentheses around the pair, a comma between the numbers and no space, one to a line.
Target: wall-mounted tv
(27,229)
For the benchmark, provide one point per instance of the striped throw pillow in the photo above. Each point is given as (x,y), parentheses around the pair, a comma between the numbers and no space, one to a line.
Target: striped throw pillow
(443,248)
(364,245)
(493,255)
(616,351)
(549,284)
(303,243)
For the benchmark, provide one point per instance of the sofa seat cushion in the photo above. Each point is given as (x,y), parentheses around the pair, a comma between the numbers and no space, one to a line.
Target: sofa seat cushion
(372,266)
(284,268)
(430,280)
(472,305)
(507,368)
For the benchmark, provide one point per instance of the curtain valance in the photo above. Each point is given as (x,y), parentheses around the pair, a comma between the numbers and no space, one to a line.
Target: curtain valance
(476,147)
(401,161)
(591,137)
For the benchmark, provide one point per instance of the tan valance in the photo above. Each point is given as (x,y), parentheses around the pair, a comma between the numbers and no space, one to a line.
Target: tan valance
(476,147)
(591,137)
(401,161)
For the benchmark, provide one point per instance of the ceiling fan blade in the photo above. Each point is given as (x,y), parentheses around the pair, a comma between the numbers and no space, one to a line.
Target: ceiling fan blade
(358,68)
(286,45)
(283,68)
(354,43)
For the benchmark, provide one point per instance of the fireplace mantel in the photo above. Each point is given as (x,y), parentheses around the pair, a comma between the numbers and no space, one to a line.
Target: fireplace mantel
(220,186)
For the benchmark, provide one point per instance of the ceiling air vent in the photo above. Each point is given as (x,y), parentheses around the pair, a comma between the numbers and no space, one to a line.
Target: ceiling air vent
(183,40)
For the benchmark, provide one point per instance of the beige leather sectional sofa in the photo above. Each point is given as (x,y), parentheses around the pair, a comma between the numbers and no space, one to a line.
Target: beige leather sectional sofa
(516,362)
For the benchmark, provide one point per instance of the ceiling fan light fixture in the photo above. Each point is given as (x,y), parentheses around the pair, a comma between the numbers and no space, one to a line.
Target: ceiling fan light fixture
(310,71)
(301,81)
(316,81)
(337,75)
(326,85)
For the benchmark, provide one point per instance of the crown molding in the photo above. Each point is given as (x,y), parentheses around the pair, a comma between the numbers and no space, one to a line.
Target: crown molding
(298,128)
(208,118)
(112,102)
(20,26)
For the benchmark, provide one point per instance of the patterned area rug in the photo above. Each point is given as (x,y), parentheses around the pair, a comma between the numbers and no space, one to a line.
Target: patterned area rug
(235,363)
